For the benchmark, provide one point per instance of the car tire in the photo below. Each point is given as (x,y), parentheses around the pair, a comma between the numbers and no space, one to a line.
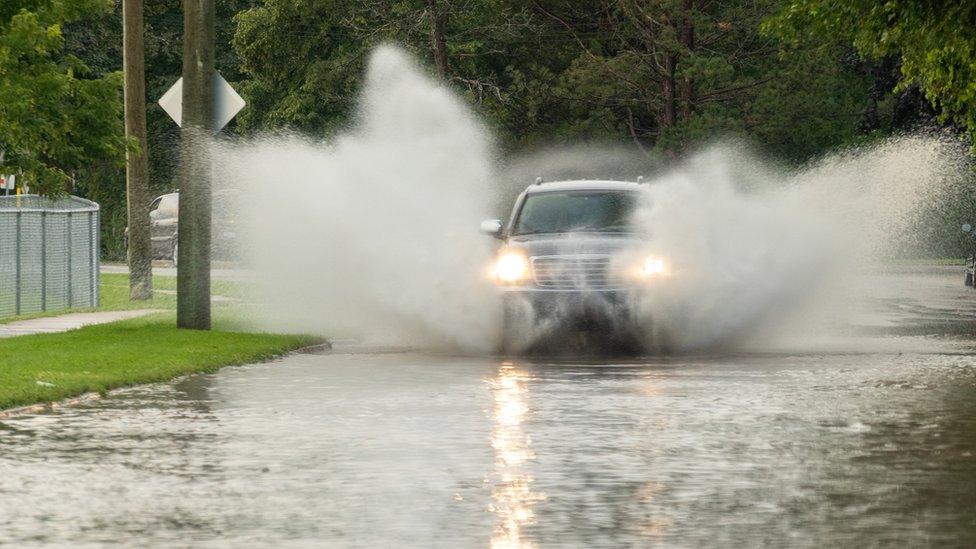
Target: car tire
(174,255)
(969,279)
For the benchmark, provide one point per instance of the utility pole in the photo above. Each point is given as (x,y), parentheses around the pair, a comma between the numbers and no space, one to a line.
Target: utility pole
(139,254)
(193,271)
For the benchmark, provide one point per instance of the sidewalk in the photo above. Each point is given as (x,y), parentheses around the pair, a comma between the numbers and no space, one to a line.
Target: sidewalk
(220,269)
(70,321)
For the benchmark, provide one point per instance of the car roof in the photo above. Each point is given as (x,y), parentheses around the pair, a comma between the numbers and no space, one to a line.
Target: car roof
(583,185)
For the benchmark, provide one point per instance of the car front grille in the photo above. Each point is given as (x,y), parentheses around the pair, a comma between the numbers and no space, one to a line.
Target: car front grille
(575,272)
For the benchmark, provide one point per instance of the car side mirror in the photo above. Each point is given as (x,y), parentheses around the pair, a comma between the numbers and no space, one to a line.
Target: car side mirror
(492,227)
(153,214)
(967,228)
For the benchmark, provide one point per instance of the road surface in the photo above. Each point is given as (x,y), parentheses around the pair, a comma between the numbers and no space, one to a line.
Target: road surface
(868,439)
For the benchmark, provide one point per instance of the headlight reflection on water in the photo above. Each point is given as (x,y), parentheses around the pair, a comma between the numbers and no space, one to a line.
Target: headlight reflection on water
(512,496)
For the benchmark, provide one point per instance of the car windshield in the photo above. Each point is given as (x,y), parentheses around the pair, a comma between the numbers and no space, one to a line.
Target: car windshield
(560,212)
(169,206)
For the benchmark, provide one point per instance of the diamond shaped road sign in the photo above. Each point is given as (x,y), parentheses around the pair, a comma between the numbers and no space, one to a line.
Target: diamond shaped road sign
(226,102)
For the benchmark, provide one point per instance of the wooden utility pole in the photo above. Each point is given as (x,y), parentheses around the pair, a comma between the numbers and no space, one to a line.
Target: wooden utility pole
(139,252)
(193,272)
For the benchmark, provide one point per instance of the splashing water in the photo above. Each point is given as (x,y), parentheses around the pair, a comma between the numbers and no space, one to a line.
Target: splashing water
(753,247)
(374,233)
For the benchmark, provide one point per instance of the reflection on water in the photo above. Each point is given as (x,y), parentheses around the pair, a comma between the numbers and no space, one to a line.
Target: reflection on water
(843,450)
(512,496)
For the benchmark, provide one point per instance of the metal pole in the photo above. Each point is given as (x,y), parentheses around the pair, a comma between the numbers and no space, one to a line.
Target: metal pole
(69,239)
(19,214)
(97,256)
(43,260)
(91,259)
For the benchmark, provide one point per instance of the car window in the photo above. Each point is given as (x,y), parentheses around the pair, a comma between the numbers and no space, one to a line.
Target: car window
(559,212)
(169,206)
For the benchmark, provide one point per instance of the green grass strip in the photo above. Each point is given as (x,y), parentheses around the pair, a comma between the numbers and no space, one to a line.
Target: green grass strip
(52,367)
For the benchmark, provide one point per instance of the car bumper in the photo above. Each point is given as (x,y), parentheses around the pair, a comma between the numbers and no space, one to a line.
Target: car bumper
(578,309)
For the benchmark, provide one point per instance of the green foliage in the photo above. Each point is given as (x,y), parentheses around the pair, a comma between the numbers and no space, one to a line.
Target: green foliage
(934,39)
(303,65)
(55,115)
(555,71)
(99,358)
(821,76)
(97,41)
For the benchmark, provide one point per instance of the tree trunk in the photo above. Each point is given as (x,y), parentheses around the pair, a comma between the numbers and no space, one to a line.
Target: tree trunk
(668,117)
(193,272)
(687,38)
(139,253)
(438,20)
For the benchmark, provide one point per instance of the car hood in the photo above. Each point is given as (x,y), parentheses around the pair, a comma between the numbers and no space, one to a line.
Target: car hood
(575,243)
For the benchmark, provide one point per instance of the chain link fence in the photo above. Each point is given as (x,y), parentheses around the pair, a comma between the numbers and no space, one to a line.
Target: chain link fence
(48,254)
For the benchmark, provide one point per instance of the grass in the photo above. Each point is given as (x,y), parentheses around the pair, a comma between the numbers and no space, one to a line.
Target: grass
(114,296)
(114,293)
(52,367)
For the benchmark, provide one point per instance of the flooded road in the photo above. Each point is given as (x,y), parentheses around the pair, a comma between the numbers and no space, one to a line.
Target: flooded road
(869,441)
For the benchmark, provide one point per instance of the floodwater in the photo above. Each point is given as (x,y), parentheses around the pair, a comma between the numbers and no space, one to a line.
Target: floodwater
(869,446)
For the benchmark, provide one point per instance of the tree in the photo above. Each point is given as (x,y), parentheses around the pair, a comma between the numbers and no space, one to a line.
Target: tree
(302,64)
(437,12)
(934,39)
(667,74)
(55,118)
(97,41)
(137,163)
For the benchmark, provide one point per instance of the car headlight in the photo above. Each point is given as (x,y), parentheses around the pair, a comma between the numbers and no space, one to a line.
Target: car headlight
(511,266)
(651,267)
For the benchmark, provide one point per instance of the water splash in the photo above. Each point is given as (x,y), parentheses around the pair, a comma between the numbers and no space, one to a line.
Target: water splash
(753,246)
(374,233)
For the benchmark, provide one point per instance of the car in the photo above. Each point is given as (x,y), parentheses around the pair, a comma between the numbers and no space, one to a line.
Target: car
(571,262)
(164,214)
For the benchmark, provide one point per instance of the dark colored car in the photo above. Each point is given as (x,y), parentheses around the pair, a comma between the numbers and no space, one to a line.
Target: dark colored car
(571,261)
